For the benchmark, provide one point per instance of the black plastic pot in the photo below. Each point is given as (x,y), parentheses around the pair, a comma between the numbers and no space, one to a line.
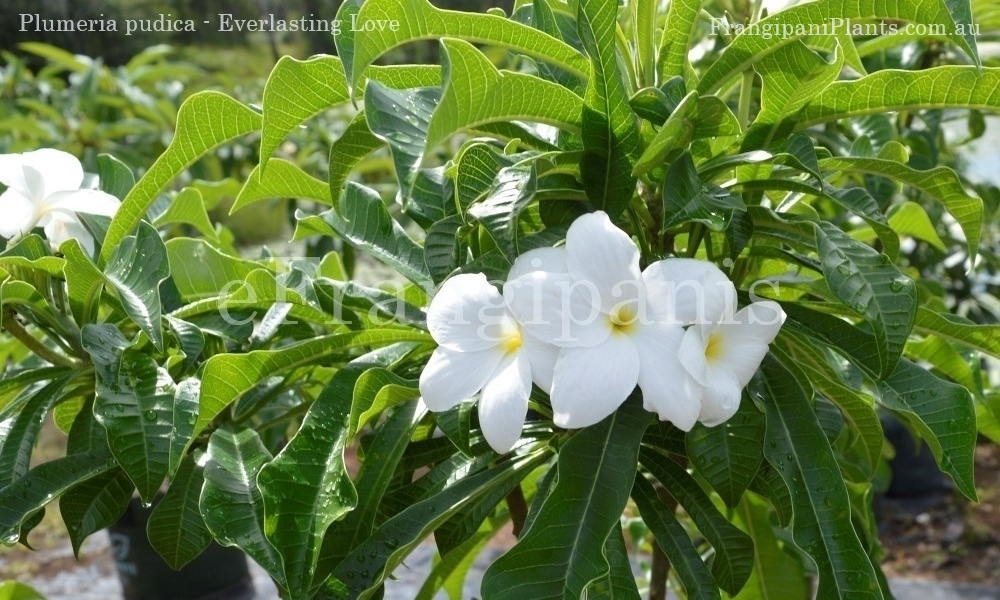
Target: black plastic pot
(216,574)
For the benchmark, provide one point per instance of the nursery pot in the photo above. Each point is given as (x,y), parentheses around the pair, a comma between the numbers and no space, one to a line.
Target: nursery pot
(216,574)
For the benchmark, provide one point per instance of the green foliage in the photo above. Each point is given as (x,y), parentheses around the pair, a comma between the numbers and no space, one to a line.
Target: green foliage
(276,398)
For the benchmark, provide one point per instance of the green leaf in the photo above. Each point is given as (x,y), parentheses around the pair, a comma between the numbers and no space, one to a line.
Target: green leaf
(114,175)
(563,550)
(476,93)
(135,270)
(675,42)
(94,504)
(188,208)
(306,487)
(14,590)
(799,451)
(911,219)
(694,118)
(202,271)
(791,77)
(777,573)
(231,503)
(136,407)
(870,285)
(728,455)
(420,20)
(227,376)
(611,141)
(27,495)
(940,183)
(284,179)
(685,198)
(376,391)
(450,572)
(205,120)
(348,151)
(365,223)
(671,537)
(401,119)
(441,247)
(733,549)
(984,338)
(175,528)
(942,413)
(751,47)
(363,571)
(19,433)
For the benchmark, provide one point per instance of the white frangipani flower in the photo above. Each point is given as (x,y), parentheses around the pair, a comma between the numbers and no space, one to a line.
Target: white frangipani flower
(722,356)
(482,348)
(616,327)
(43,190)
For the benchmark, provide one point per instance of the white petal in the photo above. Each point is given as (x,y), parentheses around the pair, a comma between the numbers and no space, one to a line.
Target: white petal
(691,353)
(543,360)
(591,383)
(60,171)
(721,399)
(451,376)
(60,227)
(743,343)
(599,252)
(504,403)
(667,388)
(12,173)
(685,290)
(557,309)
(17,214)
(467,314)
(552,260)
(92,202)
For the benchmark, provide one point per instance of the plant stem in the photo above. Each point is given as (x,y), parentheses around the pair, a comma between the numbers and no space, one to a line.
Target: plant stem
(661,564)
(12,326)
(518,507)
(746,95)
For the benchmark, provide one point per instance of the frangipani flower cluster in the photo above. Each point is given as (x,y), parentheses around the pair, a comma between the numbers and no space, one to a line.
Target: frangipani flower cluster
(585,325)
(43,190)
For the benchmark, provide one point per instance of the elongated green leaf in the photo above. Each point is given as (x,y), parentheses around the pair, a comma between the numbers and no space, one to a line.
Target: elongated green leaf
(942,412)
(84,283)
(750,46)
(348,151)
(476,93)
(940,183)
(777,574)
(365,223)
(799,451)
(791,76)
(984,338)
(27,495)
(401,118)
(682,17)
(19,433)
(188,207)
(611,141)
(135,270)
(201,271)
(115,176)
(728,455)
(306,487)
(563,550)
(674,541)
(694,118)
(685,198)
(377,390)
(420,20)
(441,247)
(136,407)
(175,528)
(205,120)
(231,503)
(450,572)
(733,549)
(284,180)
(620,582)
(362,572)
(871,286)
(227,376)
(94,504)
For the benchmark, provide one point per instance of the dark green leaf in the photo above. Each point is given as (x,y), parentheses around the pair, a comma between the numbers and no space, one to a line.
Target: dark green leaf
(175,528)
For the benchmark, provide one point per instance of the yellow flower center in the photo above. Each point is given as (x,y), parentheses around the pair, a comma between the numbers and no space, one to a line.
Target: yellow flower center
(622,319)
(511,340)
(713,349)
